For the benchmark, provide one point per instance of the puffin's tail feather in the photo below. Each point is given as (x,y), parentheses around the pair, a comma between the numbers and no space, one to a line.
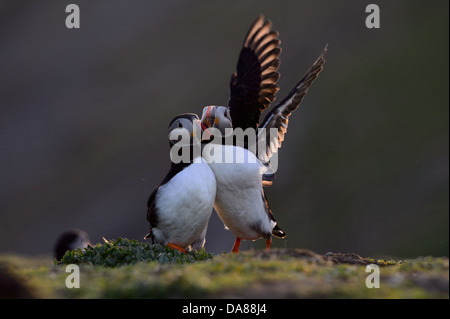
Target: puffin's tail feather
(277,232)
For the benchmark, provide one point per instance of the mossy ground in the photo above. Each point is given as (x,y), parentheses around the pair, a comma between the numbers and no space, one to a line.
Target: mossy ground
(280,273)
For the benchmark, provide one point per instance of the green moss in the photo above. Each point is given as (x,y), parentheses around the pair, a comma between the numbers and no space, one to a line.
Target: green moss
(384,262)
(123,251)
(281,273)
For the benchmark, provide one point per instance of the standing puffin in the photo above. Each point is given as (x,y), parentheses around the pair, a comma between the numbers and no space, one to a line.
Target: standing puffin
(180,208)
(240,200)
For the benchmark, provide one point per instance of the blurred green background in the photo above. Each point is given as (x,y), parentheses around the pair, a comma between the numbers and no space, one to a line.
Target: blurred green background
(84,115)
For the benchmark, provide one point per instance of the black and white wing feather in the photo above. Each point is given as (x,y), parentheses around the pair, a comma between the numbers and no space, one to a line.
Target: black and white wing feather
(278,117)
(253,86)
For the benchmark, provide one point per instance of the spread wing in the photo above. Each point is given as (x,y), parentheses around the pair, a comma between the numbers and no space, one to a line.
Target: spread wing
(253,86)
(278,117)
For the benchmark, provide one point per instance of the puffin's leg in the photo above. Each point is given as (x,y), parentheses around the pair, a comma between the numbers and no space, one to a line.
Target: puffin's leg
(268,243)
(236,246)
(173,246)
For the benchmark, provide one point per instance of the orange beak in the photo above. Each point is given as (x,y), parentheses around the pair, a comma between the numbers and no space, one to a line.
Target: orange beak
(206,123)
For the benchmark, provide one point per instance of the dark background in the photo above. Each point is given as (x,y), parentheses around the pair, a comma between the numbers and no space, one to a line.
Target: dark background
(84,115)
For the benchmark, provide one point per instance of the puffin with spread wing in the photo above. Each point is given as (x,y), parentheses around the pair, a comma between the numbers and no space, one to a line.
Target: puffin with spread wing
(240,199)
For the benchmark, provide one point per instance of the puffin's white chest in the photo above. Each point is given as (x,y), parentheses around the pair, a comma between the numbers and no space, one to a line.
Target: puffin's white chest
(239,199)
(185,203)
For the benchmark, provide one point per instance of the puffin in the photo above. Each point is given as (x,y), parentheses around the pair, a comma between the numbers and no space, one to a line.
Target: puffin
(70,240)
(240,201)
(179,209)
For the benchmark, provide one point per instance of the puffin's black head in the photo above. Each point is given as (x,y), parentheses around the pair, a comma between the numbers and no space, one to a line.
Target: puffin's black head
(217,117)
(184,129)
(70,240)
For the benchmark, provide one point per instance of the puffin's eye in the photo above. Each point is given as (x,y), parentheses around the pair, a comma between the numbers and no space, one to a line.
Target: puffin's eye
(180,125)
(225,113)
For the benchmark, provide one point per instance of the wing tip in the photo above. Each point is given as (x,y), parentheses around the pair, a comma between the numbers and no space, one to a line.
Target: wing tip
(322,55)
(256,25)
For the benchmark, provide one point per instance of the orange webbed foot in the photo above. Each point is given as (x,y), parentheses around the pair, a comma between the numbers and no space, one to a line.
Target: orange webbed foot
(174,246)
